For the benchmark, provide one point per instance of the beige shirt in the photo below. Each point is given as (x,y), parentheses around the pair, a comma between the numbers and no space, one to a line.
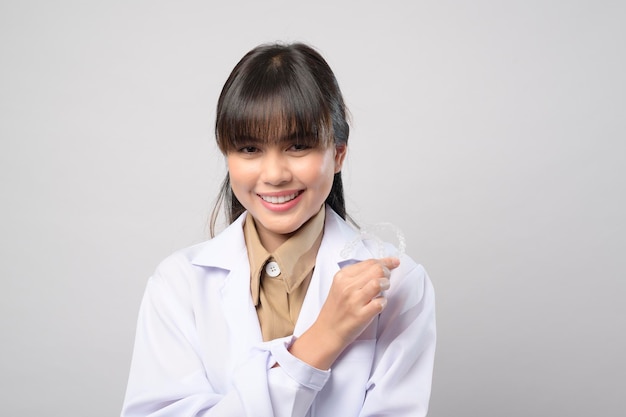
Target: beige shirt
(278,299)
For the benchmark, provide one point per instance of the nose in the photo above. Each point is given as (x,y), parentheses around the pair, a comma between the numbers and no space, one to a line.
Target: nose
(275,168)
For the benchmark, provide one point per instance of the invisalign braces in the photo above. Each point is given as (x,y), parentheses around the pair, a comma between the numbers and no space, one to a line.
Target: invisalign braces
(369,233)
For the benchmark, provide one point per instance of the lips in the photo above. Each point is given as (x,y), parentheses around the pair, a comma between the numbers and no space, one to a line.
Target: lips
(279,199)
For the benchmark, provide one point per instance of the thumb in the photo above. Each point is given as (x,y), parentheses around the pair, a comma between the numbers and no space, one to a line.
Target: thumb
(391,262)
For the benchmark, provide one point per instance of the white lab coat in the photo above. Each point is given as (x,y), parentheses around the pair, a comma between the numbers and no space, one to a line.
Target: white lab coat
(199,350)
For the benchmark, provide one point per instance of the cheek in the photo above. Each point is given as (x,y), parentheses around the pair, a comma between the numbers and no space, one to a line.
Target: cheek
(237,171)
(325,172)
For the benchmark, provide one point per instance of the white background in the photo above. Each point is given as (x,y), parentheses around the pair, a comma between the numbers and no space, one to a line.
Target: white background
(491,132)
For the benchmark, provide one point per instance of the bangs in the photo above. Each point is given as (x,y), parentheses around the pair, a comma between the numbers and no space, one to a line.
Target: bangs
(272,105)
(272,121)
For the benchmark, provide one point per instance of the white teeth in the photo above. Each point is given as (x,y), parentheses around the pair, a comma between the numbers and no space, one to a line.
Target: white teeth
(279,200)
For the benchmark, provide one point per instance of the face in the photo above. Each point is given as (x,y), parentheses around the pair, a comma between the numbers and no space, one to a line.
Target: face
(282,184)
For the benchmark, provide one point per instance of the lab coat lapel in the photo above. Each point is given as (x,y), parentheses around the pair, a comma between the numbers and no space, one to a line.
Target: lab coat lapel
(228,252)
(337,234)
(239,311)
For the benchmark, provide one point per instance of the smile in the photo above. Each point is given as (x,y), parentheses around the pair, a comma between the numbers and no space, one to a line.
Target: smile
(279,199)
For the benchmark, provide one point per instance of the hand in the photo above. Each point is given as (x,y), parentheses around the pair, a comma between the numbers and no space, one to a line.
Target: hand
(354,299)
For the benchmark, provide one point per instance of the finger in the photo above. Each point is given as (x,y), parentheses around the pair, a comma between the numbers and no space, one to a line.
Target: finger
(390,262)
(377,267)
(384,284)
(358,276)
(375,306)
(364,266)
(372,289)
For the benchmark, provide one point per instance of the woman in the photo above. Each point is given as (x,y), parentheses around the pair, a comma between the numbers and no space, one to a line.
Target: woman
(267,318)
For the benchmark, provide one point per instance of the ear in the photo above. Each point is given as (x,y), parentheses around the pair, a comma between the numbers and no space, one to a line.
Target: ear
(340,155)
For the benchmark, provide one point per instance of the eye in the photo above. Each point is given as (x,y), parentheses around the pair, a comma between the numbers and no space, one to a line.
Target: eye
(299,147)
(248,149)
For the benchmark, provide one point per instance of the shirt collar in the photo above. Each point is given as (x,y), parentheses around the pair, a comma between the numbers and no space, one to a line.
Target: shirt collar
(228,250)
(295,257)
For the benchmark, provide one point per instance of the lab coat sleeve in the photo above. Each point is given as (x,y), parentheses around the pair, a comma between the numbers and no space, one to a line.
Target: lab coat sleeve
(167,377)
(400,382)
(294,384)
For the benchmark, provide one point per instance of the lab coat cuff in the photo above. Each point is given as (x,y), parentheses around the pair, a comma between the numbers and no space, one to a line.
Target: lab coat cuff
(299,371)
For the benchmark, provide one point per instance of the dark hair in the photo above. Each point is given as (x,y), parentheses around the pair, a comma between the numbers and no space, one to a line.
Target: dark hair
(278,90)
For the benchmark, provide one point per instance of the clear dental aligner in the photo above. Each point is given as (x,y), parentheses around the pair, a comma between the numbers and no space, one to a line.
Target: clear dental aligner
(371,233)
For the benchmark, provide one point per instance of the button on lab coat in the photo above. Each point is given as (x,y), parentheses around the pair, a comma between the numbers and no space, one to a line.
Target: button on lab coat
(199,350)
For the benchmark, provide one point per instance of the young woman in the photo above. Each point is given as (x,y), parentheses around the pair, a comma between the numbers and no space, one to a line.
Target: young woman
(267,318)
